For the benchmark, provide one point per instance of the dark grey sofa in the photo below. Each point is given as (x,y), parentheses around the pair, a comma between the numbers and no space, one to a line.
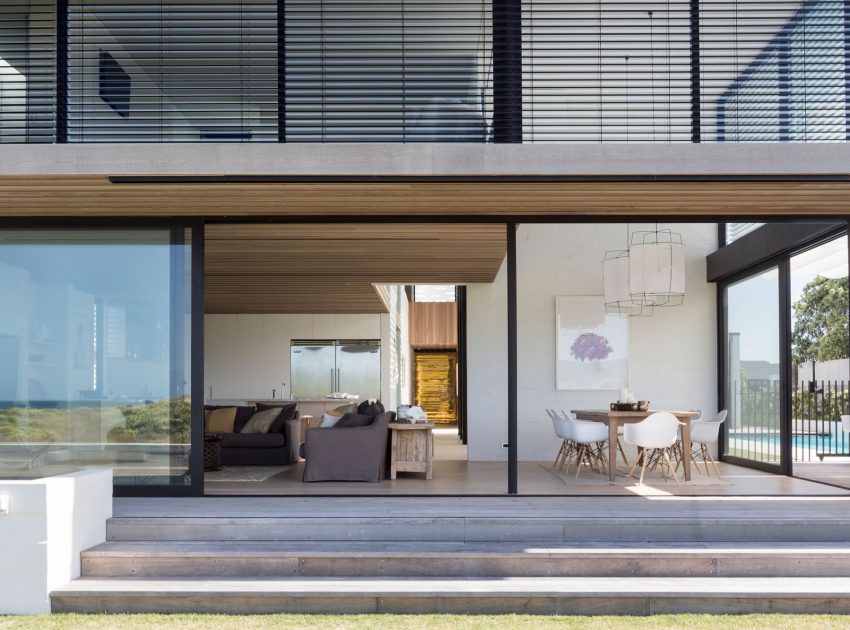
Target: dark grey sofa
(348,453)
(276,448)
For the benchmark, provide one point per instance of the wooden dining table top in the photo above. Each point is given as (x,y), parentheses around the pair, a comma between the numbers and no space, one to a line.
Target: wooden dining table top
(603,415)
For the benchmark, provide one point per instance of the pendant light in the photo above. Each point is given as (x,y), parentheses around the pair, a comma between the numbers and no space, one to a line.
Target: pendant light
(649,273)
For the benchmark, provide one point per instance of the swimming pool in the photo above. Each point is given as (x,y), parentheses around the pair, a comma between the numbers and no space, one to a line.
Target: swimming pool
(836,442)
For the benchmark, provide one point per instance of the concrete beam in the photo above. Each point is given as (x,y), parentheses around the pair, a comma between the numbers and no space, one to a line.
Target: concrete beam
(426,159)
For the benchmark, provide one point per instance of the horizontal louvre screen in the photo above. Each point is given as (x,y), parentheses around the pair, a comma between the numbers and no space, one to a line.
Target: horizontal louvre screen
(606,71)
(773,71)
(622,71)
(388,70)
(159,71)
(27,70)
(734,231)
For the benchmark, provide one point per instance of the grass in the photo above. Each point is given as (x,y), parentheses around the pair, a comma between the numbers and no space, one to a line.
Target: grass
(417,622)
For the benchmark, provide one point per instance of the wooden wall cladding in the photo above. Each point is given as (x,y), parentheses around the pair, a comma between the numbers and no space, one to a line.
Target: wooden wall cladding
(433,325)
(95,195)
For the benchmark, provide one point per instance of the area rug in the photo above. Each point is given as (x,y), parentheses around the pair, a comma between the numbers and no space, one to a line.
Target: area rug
(245,473)
(654,478)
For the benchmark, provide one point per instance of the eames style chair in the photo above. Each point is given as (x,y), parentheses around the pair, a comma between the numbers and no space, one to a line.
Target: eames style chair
(589,439)
(703,434)
(654,436)
(562,430)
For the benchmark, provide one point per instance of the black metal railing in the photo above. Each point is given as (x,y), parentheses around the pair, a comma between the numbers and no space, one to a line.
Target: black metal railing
(753,428)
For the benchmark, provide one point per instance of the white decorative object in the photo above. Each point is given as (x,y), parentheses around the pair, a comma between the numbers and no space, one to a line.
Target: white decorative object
(592,346)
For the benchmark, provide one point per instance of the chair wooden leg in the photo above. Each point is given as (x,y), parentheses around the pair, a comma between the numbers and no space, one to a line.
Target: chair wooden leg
(635,465)
(580,458)
(622,452)
(642,468)
(709,458)
(558,456)
(670,467)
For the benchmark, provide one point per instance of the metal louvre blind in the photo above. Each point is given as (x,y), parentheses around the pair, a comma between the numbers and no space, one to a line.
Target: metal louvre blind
(388,70)
(734,231)
(27,70)
(772,71)
(606,71)
(161,70)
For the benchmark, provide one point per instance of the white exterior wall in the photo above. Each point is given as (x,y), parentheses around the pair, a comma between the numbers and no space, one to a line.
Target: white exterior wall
(50,522)
(672,355)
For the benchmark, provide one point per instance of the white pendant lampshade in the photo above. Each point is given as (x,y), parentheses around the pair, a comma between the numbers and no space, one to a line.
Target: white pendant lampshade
(650,273)
(657,268)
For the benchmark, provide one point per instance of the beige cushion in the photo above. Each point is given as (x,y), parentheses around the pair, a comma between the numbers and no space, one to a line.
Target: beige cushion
(261,421)
(330,418)
(219,420)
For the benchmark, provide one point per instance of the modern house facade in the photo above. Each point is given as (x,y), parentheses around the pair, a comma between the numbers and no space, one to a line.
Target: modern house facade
(189,190)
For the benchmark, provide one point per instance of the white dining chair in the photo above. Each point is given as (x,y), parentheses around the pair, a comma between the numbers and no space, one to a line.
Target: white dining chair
(703,434)
(589,439)
(654,436)
(562,430)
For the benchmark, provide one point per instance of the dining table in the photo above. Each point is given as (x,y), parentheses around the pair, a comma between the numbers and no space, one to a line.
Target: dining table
(613,419)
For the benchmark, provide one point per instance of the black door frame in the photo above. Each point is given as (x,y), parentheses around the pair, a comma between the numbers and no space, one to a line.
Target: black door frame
(781,261)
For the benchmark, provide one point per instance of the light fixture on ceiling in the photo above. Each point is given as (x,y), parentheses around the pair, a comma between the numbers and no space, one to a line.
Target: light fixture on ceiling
(649,273)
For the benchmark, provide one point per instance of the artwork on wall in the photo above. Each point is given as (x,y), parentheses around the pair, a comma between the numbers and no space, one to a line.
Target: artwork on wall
(592,346)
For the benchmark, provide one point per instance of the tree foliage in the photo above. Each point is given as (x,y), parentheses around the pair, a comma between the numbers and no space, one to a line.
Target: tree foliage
(820,327)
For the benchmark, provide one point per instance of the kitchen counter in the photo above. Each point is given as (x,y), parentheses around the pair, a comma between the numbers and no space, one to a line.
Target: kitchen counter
(236,402)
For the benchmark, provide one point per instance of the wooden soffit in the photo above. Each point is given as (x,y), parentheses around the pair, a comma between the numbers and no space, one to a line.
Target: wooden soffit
(96,195)
(333,268)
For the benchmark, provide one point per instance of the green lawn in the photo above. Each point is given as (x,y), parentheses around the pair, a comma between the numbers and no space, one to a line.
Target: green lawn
(415,622)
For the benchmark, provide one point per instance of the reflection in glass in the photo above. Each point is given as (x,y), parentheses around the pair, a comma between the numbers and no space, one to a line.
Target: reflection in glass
(819,362)
(94,354)
(752,368)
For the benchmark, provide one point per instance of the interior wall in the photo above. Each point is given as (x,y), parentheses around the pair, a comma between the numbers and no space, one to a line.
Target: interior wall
(672,354)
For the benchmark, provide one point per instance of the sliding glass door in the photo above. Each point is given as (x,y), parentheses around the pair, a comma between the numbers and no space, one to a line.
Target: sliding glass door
(752,383)
(95,353)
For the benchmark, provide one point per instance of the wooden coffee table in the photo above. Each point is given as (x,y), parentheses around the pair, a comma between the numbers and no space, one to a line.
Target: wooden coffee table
(412,448)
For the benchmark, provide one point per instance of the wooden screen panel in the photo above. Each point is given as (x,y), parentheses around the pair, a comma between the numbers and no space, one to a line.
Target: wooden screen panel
(433,325)
(435,384)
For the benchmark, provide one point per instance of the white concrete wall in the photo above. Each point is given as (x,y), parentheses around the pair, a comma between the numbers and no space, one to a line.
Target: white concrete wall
(50,522)
(672,355)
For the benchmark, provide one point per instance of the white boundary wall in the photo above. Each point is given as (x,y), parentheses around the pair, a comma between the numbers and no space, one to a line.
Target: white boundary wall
(49,522)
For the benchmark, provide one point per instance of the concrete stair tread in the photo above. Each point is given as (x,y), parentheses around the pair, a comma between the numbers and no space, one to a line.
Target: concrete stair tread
(264,549)
(807,587)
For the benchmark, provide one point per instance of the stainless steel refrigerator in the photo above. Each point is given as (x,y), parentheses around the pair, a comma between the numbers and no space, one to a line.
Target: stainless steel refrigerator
(320,368)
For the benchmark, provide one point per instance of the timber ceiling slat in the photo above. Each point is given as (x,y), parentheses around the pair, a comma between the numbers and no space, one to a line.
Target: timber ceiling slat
(332,268)
(96,196)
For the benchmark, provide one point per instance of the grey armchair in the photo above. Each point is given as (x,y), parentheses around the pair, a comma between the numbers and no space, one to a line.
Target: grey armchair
(348,454)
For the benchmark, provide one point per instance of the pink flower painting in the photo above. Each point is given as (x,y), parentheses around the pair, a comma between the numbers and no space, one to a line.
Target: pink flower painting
(590,347)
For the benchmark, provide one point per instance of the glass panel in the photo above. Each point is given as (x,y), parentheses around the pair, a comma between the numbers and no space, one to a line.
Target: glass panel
(189,71)
(95,354)
(27,70)
(752,368)
(434,293)
(820,363)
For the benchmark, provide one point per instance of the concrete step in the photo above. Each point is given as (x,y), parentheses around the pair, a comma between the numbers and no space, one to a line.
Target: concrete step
(585,595)
(224,559)
(612,528)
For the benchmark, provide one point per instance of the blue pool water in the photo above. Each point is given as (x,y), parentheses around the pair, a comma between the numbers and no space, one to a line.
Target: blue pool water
(836,443)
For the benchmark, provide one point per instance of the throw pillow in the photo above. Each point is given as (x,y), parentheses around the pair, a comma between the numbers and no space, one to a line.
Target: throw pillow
(261,421)
(355,420)
(370,407)
(287,413)
(219,420)
(332,417)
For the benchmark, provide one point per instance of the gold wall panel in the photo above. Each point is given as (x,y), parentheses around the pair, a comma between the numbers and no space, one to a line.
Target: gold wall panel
(435,384)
